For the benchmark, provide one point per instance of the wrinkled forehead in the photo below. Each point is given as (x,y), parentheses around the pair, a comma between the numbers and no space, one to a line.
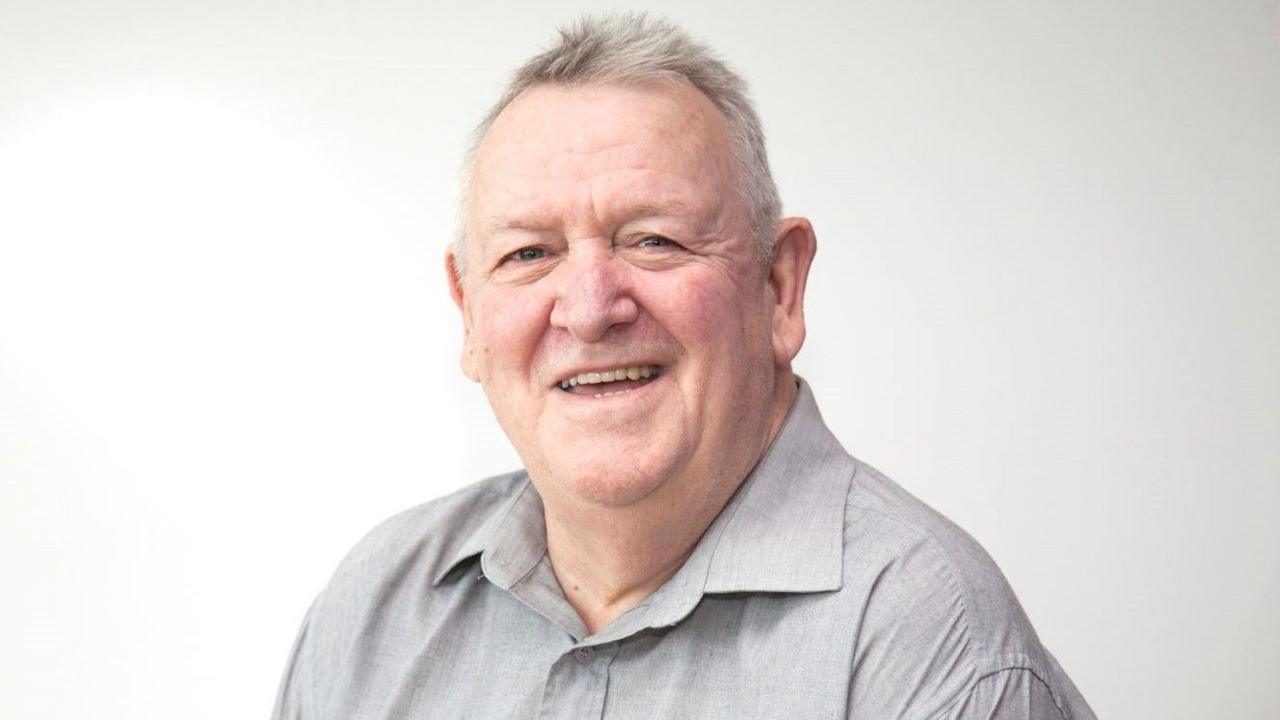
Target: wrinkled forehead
(661,141)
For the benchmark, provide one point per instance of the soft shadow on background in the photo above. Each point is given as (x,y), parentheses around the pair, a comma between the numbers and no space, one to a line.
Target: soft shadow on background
(1046,300)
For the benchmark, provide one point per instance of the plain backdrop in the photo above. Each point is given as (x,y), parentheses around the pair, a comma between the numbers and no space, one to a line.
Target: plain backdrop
(1046,300)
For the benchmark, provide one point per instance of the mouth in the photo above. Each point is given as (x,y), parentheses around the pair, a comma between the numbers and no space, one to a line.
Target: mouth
(610,382)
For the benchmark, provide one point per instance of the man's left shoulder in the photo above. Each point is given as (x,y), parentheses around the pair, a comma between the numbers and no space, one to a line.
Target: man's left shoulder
(937,610)
(885,521)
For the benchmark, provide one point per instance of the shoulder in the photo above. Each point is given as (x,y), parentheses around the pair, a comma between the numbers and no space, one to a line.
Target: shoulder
(384,579)
(938,615)
(891,524)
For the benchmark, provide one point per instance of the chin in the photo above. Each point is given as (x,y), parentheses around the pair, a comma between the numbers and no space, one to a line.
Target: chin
(613,486)
(604,469)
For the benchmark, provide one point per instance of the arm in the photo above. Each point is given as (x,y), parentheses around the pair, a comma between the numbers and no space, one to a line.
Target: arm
(1009,694)
(295,685)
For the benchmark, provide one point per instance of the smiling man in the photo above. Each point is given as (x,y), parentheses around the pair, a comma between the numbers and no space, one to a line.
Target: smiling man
(686,538)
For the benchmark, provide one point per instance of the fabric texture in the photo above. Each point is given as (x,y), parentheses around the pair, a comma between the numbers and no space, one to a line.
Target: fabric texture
(822,590)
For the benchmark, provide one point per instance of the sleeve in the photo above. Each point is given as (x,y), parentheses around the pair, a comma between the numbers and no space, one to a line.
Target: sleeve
(922,654)
(1009,694)
(292,699)
(913,652)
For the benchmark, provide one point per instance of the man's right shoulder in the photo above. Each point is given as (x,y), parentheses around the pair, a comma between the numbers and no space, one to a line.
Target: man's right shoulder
(422,540)
(357,618)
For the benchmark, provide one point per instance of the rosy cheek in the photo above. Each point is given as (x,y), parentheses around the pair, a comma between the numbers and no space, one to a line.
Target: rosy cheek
(707,304)
(508,335)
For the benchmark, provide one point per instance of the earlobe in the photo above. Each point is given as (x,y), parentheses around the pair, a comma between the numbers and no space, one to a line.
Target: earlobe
(793,251)
(454,278)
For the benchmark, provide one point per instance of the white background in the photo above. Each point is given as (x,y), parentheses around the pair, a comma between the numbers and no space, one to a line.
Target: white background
(1046,300)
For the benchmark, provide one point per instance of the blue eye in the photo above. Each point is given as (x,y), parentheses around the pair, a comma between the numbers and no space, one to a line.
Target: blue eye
(529,253)
(654,241)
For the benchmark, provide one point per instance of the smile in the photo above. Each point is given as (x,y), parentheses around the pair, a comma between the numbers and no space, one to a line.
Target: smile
(610,382)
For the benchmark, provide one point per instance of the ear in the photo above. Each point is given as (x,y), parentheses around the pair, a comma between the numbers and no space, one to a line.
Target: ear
(793,250)
(460,299)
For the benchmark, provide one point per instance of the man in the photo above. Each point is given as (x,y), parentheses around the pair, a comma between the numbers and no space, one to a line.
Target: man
(687,539)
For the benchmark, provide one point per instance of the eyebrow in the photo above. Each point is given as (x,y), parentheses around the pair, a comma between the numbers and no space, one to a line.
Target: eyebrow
(496,223)
(663,208)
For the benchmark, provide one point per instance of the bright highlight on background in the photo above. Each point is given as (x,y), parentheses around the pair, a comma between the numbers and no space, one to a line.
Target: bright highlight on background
(201,325)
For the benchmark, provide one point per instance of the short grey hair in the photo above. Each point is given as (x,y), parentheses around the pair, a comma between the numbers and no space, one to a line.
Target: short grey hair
(631,48)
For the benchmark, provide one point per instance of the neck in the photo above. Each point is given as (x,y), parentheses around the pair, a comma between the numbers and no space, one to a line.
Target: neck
(608,559)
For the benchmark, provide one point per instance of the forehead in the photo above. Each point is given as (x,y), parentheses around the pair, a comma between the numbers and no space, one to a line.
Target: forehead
(557,147)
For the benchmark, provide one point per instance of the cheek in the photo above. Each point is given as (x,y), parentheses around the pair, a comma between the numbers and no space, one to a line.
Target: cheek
(505,335)
(711,308)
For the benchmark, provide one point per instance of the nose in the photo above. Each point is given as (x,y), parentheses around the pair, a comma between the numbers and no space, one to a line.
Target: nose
(592,295)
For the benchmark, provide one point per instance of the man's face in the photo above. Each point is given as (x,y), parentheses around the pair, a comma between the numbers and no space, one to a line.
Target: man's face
(605,240)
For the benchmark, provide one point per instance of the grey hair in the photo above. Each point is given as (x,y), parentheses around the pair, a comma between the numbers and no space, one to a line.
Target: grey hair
(630,48)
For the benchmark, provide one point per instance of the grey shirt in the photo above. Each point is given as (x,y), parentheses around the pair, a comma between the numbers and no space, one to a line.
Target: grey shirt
(822,590)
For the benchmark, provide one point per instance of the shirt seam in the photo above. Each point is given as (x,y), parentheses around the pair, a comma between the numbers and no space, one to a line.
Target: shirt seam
(935,546)
(968,692)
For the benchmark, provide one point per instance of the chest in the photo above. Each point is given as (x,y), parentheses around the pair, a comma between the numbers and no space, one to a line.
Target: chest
(734,656)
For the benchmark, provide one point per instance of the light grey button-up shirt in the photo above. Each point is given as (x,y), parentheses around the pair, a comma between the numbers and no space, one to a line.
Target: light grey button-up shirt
(822,590)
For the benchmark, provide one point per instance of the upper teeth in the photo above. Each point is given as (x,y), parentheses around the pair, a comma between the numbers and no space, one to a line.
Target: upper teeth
(628,373)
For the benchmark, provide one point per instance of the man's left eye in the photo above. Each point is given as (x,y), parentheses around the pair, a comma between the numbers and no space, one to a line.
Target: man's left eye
(529,253)
(654,241)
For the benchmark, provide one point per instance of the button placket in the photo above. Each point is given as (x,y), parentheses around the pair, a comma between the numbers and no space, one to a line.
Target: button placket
(578,683)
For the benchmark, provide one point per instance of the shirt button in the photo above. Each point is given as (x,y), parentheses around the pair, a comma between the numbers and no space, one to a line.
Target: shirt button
(583,655)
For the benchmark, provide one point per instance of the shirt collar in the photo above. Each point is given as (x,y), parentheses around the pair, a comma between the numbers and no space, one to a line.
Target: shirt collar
(784,528)
(510,541)
(782,531)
